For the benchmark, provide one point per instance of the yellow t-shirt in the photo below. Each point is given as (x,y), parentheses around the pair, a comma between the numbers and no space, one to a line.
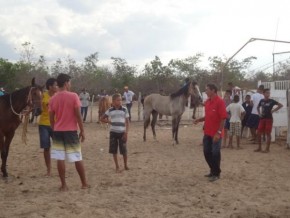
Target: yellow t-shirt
(44,117)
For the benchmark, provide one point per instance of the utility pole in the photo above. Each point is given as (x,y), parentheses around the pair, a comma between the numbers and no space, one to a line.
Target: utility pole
(250,40)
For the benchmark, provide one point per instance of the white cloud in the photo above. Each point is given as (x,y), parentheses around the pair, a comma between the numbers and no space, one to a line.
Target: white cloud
(138,30)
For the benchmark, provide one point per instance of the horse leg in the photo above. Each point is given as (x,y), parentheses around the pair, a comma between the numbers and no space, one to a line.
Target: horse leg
(174,121)
(193,112)
(177,128)
(153,123)
(146,124)
(5,152)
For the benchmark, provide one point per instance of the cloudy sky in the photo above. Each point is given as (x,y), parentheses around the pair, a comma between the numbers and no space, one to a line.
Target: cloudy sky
(137,30)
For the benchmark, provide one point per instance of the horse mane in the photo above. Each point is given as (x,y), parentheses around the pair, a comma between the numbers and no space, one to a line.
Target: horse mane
(20,92)
(181,91)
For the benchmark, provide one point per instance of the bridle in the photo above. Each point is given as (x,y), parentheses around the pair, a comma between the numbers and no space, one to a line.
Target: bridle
(29,103)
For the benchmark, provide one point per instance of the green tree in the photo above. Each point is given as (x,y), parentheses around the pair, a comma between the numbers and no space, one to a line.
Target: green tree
(123,74)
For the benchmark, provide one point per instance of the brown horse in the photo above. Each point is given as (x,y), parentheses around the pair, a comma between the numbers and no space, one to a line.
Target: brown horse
(105,103)
(173,105)
(11,106)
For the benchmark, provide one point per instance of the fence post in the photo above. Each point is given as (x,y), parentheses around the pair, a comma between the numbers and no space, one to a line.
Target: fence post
(139,106)
(92,105)
(288,117)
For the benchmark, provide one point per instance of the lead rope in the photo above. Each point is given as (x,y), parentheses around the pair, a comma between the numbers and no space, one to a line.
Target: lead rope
(26,116)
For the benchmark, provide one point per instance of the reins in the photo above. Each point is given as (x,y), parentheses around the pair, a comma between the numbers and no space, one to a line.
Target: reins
(29,102)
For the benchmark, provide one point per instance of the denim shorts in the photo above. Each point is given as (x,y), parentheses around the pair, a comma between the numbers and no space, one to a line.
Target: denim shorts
(45,134)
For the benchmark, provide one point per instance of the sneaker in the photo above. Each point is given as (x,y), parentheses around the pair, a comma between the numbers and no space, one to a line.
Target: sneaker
(213,178)
(208,175)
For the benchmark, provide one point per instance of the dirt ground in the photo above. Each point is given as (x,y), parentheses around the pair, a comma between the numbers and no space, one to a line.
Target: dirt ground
(163,180)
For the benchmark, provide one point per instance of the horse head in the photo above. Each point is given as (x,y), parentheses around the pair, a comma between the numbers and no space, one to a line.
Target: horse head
(35,98)
(195,91)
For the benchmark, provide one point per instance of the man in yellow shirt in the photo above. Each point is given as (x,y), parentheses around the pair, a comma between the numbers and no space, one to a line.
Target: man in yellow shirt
(45,131)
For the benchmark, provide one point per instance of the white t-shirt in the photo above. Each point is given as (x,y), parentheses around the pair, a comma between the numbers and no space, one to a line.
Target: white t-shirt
(236,111)
(85,98)
(256,98)
(128,96)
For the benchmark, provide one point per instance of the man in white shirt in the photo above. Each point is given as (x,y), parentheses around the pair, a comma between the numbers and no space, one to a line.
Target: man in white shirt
(254,118)
(85,101)
(128,96)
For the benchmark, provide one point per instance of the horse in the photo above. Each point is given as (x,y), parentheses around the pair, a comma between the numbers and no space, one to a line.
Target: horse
(105,103)
(11,106)
(194,103)
(173,105)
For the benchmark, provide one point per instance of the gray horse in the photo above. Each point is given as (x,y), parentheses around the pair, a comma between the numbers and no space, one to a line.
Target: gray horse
(173,105)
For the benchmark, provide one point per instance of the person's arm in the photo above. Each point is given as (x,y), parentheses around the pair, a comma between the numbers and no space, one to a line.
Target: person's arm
(218,134)
(196,121)
(105,119)
(51,119)
(258,108)
(277,108)
(80,123)
(125,136)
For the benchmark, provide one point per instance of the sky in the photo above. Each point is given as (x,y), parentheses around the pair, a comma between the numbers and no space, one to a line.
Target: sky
(138,30)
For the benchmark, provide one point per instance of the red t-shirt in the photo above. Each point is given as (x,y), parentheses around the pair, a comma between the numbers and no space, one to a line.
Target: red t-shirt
(215,112)
(63,104)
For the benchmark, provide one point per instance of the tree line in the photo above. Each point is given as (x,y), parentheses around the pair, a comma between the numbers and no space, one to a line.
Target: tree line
(153,77)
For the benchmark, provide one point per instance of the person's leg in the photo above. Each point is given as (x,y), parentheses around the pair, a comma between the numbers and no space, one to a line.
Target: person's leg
(82,111)
(81,171)
(129,110)
(115,157)
(113,149)
(268,142)
(216,158)
(125,162)
(238,142)
(46,154)
(61,173)
(230,141)
(45,133)
(225,138)
(207,151)
(260,131)
(123,151)
(85,113)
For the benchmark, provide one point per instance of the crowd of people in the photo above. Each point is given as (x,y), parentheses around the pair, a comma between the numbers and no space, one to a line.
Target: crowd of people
(227,117)
(62,118)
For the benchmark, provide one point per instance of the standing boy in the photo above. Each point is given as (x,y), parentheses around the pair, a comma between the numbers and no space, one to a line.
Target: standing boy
(85,101)
(253,120)
(65,119)
(237,111)
(45,131)
(248,109)
(265,110)
(117,116)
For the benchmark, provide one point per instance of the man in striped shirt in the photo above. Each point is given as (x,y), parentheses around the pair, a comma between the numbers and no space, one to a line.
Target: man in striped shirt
(118,117)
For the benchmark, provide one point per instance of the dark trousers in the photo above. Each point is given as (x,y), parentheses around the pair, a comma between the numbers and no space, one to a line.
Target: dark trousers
(212,154)
(129,110)
(84,111)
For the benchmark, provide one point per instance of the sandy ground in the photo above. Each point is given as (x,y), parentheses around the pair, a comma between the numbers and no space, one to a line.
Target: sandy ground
(163,180)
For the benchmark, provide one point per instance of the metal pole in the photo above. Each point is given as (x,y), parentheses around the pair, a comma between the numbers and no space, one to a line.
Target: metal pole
(250,40)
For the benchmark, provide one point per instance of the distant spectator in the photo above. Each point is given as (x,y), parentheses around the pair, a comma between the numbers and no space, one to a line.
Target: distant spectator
(253,120)
(234,89)
(265,111)
(248,109)
(85,101)
(128,95)
(237,111)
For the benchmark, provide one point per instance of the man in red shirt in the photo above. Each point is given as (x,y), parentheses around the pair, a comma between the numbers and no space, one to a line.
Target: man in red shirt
(214,119)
